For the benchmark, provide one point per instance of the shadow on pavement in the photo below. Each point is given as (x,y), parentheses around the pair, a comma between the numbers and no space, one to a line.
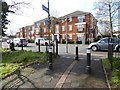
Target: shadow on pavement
(20,79)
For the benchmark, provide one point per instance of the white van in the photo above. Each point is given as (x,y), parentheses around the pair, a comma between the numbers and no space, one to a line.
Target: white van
(43,41)
(17,41)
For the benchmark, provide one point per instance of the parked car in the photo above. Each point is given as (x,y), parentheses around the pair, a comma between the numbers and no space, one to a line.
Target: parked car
(18,41)
(102,44)
(43,41)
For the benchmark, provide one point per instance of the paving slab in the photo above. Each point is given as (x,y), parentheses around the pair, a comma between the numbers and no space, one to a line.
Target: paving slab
(77,77)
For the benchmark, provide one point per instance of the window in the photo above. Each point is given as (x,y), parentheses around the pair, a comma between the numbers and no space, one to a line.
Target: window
(57,29)
(29,33)
(44,23)
(70,27)
(37,31)
(70,19)
(32,32)
(80,18)
(63,20)
(25,34)
(44,29)
(38,25)
(70,36)
(33,28)
(63,36)
(80,28)
(63,28)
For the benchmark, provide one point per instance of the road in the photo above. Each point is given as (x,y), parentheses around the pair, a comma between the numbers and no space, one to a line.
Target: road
(61,49)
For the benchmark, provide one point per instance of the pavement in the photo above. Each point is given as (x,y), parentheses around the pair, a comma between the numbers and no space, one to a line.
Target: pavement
(67,73)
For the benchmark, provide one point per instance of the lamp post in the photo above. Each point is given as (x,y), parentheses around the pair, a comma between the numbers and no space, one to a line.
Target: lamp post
(49,23)
(66,34)
(50,51)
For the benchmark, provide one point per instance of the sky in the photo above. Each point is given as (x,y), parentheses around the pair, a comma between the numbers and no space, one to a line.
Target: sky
(35,12)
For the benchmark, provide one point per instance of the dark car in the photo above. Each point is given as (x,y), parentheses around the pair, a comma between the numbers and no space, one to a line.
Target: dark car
(102,44)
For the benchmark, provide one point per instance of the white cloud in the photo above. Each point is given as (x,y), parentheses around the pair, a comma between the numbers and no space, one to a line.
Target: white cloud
(36,13)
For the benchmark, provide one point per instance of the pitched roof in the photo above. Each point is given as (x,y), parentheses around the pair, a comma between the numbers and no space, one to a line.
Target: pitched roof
(74,14)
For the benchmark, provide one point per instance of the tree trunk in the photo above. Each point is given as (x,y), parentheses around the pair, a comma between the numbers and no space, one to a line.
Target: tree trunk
(110,17)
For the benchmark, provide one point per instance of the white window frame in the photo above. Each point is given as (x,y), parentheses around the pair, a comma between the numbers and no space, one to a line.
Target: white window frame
(70,27)
(81,17)
(63,28)
(62,20)
(80,27)
(38,25)
(44,23)
(70,36)
(57,29)
(33,27)
(63,36)
(45,30)
(70,19)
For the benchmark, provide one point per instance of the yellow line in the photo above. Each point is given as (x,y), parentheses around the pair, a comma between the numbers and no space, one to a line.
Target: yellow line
(64,76)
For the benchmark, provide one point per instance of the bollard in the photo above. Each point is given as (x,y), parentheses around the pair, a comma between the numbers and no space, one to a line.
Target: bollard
(47,49)
(22,44)
(50,59)
(56,47)
(76,58)
(39,45)
(53,48)
(12,46)
(88,60)
(110,54)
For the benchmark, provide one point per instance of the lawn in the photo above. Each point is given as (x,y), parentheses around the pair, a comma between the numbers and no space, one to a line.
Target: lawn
(113,75)
(14,60)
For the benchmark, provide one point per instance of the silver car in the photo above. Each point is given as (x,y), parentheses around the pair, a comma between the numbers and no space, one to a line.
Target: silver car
(103,44)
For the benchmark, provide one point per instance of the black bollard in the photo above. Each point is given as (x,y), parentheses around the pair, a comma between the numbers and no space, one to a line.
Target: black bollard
(110,54)
(22,44)
(12,46)
(39,45)
(56,47)
(50,59)
(88,60)
(46,49)
(76,58)
(53,47)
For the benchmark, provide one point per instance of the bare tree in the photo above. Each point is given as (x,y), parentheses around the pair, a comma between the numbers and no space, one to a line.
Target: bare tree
(107,11)
(18,6)
(54,14)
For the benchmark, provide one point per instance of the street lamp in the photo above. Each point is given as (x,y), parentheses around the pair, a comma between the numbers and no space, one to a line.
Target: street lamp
(50,51)
(67,34)
(49,23)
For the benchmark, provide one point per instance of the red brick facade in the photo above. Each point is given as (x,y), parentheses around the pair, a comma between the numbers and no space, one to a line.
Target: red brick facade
(80,26)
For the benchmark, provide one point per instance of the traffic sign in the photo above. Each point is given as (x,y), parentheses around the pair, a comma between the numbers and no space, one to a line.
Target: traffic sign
(45,8)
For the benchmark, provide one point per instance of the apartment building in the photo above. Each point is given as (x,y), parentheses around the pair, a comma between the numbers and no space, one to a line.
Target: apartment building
(76,26)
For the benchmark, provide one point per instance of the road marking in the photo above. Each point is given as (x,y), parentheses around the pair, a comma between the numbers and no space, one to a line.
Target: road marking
(64,76)
(96,59)
(81,58)
(93,54)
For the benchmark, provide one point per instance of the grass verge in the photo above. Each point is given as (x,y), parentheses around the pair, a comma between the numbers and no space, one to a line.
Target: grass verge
(14,60)
(113,75)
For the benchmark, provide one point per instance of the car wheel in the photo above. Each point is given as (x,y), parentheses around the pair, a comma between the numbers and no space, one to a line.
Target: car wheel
(94,48)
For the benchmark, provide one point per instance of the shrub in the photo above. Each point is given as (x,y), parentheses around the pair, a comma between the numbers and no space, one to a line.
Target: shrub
(11,61)
(71,42)
(30,41)
(115,79)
